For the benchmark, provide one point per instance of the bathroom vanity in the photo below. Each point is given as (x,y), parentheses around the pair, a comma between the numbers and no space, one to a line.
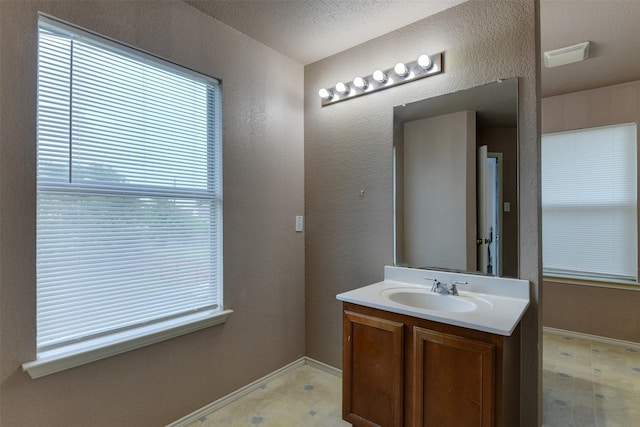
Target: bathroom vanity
(414,354)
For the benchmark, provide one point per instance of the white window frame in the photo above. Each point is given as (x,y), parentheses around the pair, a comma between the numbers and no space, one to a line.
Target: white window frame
(68,355)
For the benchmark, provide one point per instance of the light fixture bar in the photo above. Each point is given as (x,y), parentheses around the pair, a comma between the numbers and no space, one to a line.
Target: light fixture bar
(424,66)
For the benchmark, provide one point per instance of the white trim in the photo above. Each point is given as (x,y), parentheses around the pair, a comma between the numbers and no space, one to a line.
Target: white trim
(598,283)
(85,352)
(596,338)
(323,367)
(241,392)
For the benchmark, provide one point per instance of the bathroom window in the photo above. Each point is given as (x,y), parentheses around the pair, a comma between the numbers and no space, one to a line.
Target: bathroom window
(589,203)
(129,206)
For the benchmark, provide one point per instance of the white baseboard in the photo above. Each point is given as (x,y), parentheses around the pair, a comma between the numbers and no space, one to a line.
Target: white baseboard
(596,338)
(323,367)
(214,406)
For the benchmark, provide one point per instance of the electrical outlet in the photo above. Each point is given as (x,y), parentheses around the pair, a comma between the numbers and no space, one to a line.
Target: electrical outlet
(299,223)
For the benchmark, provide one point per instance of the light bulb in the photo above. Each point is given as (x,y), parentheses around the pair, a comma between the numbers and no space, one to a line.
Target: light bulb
(342,88)
(325,94)
(379,76)
(401,69)
(360,83)
(425,62)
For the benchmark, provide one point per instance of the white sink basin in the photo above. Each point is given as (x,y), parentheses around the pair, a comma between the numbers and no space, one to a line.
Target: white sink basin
(427,300)
(487,303)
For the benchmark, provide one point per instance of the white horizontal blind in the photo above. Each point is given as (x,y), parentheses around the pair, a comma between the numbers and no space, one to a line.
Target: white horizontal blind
(589,193)
(129,198)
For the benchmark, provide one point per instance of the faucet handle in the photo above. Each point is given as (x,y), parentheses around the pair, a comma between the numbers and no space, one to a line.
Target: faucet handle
(454,286)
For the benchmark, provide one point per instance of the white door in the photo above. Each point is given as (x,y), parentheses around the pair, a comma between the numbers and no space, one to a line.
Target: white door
(489,211)
(483,228)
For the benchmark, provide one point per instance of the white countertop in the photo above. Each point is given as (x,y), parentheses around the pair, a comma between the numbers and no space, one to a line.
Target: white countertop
(504,300)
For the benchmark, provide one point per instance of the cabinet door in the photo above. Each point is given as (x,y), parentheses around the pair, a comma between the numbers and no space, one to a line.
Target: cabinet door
(372,371)
(453,380)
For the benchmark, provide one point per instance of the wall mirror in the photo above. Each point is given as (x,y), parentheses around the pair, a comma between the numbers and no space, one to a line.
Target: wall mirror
(456,181)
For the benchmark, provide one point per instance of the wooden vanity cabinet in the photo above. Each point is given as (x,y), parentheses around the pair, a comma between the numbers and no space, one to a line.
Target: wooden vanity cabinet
(373,384)
(404,371)
(453,380)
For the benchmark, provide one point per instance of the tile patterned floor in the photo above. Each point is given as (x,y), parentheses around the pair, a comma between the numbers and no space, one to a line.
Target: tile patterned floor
(585,384)
(305,396)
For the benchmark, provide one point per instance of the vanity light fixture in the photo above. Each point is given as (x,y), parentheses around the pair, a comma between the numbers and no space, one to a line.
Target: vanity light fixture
(423,66)
(425,62)
(342,88)
(379,76)
(325,94)
(360,83)
(401,69)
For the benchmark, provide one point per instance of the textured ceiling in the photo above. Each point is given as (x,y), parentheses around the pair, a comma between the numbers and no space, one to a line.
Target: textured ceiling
(612,27)
(307,31)
(310,30)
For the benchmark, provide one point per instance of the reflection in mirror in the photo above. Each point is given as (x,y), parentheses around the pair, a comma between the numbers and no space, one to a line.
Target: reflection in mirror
(456,181)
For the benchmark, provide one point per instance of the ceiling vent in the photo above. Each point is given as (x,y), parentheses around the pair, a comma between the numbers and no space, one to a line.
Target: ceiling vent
(566,55)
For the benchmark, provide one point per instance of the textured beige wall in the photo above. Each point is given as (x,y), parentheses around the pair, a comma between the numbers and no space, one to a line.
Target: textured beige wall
(600,311)
(348,147)
(572,307)
(263,256)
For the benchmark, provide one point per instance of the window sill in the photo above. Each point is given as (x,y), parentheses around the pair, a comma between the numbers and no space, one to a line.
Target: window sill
(73,355)
(611,283)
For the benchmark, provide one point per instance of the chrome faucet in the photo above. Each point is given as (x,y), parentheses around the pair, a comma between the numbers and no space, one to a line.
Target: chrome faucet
(442,288)
(439,287)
